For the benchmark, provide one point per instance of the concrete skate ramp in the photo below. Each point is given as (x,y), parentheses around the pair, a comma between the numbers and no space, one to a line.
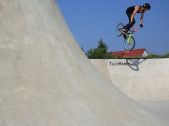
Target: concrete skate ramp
(142,80)
(145,81)
(46,80)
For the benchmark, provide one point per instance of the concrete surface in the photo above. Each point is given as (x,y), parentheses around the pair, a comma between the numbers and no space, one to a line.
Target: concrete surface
(158,108)
(145,81)
(46,80)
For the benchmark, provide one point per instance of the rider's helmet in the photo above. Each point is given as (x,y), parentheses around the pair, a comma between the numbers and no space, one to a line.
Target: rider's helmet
(147,6)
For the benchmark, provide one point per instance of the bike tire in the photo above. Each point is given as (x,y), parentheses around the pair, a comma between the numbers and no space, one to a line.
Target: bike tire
(129,43)
(118,29)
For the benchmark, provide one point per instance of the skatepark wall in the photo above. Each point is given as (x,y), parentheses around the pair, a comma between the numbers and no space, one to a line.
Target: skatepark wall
(141,80)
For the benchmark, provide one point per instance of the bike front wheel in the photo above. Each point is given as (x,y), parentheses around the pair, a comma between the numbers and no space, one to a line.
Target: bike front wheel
(129,42)
(118,29)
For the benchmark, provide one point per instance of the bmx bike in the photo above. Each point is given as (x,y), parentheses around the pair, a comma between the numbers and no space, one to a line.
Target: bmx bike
(129,41)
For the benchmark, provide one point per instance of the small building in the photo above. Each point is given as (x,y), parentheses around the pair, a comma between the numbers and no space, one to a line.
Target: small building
(129,54)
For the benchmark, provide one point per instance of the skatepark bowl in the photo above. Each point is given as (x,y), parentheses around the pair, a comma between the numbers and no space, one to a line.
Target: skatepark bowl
(143,80)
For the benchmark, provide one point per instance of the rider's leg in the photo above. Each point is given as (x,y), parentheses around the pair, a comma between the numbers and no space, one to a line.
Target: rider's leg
(130,24)
(127,28)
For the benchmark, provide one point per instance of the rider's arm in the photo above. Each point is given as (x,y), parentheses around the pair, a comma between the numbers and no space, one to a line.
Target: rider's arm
(137,8)
(141,18)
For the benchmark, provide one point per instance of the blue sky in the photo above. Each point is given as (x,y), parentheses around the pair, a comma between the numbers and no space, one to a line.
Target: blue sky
(90,20)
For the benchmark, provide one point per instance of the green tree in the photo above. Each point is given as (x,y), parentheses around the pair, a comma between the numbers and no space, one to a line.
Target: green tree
(100,52)
(153,56)
(166,55)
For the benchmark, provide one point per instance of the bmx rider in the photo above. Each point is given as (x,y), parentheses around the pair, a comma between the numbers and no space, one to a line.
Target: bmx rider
(131,12)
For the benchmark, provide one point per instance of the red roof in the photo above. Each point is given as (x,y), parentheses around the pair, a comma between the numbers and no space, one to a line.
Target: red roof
(127,54)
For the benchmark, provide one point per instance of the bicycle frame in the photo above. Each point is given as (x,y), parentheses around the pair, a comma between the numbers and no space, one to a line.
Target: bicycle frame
(131,32)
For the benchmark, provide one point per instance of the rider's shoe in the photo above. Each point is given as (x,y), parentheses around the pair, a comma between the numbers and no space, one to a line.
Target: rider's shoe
(124,31)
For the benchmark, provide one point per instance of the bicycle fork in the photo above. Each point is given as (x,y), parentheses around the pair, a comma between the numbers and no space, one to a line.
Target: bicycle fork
(129,39)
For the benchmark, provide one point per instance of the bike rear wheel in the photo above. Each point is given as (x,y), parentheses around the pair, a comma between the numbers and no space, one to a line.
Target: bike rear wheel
(129,42)
(118,29)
